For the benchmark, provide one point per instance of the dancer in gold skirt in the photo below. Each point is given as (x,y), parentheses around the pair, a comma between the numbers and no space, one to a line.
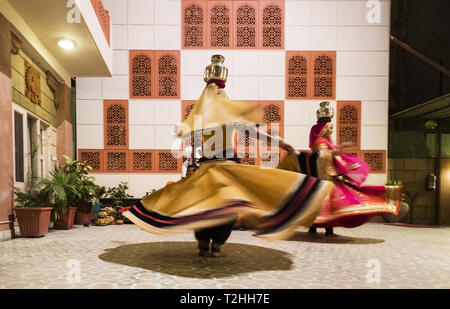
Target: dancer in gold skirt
(272,202)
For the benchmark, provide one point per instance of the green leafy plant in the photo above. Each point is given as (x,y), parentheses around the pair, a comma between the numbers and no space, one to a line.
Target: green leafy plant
(394,183)
(89,191)
(60,190)
(118,194)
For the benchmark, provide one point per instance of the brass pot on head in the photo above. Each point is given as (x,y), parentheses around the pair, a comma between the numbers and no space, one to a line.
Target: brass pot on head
(216,70)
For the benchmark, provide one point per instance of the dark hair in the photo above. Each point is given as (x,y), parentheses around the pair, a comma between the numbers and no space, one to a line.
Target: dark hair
(324,119)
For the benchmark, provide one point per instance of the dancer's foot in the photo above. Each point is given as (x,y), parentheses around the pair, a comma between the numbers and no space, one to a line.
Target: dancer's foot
(203,246)
(216,250)
(203,253)
(312,230)
(329,232)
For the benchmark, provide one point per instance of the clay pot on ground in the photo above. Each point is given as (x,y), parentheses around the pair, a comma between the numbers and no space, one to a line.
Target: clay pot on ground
(65,222)
(83,215)
(391,218)
(33,221)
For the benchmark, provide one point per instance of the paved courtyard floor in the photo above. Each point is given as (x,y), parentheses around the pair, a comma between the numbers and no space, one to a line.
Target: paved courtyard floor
(372,256)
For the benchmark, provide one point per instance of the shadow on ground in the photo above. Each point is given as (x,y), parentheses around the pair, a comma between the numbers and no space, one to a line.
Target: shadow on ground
(181,259)
(337,239)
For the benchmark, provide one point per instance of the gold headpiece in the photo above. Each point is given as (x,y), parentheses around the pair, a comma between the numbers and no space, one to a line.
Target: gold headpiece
(325,110)
(216,70)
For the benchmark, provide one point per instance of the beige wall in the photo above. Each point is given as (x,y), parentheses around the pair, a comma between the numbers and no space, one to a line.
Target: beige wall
(6,129)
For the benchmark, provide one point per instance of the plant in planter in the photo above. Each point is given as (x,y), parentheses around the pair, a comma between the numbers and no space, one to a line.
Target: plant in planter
(109,214)
(89,192)
(32,211)
(61,190)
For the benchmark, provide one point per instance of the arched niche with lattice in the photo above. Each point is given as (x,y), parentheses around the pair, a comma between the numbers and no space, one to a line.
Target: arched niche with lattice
(219,24)
(271,16)
(194,21)
(167,74)
(115,119)
(93,158)
(298,75)
(245,24)
(348,120)
(142,72)
(323,65)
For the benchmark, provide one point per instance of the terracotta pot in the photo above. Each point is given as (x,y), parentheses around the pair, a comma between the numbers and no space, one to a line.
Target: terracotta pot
(82,218)
(33,221)
(65,222)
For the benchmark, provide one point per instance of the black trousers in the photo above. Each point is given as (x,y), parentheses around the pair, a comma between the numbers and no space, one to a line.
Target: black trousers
(218,234)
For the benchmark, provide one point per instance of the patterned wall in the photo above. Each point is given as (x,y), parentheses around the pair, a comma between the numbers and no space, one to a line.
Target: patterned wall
(288,55)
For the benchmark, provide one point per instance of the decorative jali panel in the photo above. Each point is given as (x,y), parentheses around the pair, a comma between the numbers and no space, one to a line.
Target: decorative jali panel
(115,114)
(166,162)
(186,107)
(348,119)
(168,74)
(270,159)
(272,111)
(298,74)
(116,161)
(93,157)
(219,25)
(272,24)
(141,74)
(245,21)
(142,161)
(324,70)
(193,29)
(376,160)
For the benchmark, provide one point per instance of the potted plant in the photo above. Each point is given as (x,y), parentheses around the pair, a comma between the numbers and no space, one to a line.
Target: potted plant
(89,192)
(32,212)
(118,195)
(60,189)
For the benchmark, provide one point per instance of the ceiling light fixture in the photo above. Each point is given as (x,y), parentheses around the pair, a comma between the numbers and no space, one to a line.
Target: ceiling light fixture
(66,44)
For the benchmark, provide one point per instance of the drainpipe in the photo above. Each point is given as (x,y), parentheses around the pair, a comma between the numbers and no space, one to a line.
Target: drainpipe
(73,112)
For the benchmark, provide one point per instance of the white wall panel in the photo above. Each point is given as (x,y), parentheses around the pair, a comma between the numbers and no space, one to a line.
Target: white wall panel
(89,136)
(118,11)
(245,63)
(373,137)
(142,137)
(116,88)
(120,36)
(89,112)
(167,112)
(323,13)
(271,88)
(193,62)
(374,113)
(120,62)
(141,37)
(140,12)
(298,38)
(141,112)
(168,12)
(89,88)
(167,37)
(245,88)
(323,38)
(298,13)
(271,62)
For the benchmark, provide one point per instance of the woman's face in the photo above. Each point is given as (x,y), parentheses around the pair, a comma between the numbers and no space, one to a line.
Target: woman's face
(328,130)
